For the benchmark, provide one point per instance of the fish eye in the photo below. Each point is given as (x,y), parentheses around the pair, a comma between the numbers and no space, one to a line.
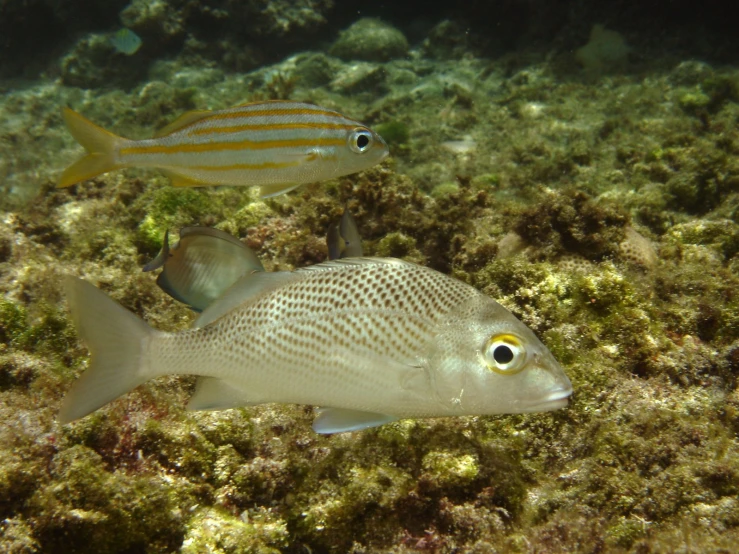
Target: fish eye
(360,140)
(505,354)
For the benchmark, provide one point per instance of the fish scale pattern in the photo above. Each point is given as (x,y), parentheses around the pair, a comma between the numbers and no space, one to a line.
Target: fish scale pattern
(342,332)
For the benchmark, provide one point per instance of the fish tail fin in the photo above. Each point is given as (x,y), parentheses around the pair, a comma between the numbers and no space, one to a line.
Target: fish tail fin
(101,146)
(117,340)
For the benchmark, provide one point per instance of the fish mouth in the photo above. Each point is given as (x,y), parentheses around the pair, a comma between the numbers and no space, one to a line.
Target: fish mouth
(556,399)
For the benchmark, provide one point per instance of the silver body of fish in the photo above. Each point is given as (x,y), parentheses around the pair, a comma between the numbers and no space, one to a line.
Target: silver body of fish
(370,340)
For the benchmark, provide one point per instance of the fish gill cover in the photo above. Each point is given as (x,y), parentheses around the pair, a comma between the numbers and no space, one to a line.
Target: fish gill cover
(596,200)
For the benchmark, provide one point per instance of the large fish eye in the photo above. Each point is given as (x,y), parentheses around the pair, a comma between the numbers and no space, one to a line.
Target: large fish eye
(505,354)
(360,140)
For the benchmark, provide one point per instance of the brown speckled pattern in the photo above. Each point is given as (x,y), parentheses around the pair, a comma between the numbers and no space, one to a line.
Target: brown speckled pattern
(339,335)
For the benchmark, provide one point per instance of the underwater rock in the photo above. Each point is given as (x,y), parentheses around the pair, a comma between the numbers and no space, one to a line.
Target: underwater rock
(159,18)
(94,62)
(315,69)
(511,244)
(573,222)
(691,73)
(360,77)
(33,31)
(371,40)
(218,531)
(447,40)
(606,49)
(721,236)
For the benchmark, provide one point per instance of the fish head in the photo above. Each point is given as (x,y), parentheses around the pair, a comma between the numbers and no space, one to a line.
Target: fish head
(364,148)
(488,362)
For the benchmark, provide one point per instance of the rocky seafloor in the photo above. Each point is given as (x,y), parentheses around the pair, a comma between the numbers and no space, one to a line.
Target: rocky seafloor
(595,193)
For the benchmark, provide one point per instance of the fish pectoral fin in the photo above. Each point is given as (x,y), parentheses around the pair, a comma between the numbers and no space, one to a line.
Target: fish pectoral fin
(181,122)
(212,393)
(341,420)
(182,181)
(268,191)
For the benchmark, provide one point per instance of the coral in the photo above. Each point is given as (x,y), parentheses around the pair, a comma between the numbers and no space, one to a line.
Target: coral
(637,249)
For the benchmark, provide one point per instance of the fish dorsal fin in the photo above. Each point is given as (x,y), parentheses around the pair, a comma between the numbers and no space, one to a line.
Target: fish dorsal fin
(258,102)
(341,420)
(343,239)
(344,262)
(161,258)
(212,393)
(181,122)
(242,290)
(211,232)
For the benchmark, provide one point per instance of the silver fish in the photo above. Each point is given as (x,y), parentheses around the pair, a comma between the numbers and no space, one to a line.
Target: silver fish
(206,262)
(369,340)
(202,265)
(343,238)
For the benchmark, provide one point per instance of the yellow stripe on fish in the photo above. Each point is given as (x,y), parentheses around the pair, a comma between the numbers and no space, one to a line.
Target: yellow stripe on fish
(218,146)
(277,145)
(270,127)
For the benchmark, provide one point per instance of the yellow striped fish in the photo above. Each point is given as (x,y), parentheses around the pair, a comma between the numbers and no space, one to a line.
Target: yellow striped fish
(276,145)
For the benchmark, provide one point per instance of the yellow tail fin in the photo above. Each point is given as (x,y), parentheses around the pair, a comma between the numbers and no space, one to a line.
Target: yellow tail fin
(100,144)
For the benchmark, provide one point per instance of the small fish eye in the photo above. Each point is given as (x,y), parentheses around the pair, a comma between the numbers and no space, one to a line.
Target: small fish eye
(360,140)
(505,354)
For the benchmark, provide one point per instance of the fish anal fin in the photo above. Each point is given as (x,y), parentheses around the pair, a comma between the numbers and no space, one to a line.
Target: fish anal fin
(268,191)
(341,420)
(212,393)
(181,122)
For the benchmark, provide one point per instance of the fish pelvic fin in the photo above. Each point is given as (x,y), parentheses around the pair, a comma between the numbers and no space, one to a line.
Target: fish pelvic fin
(117,340)
(101,146)
(341,420)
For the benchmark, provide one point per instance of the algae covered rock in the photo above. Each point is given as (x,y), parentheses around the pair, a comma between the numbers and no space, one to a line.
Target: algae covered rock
(94,62)
(370,40)
(606,49)
(604,214)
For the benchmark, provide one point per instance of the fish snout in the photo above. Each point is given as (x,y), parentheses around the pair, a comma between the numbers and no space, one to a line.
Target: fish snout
(555,387)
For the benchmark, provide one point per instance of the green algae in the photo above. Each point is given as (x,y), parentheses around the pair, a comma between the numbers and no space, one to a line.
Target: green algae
(222,533)
(395,133)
